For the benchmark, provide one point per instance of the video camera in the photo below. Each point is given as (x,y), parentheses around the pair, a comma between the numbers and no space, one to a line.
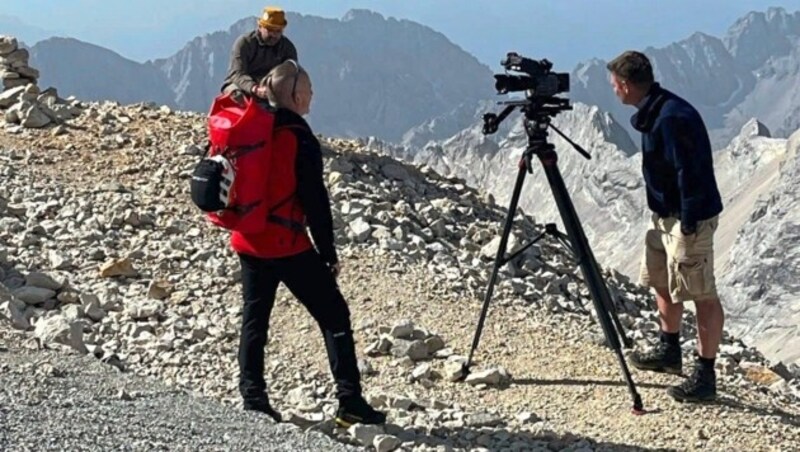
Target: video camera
(540,84)
(540,81)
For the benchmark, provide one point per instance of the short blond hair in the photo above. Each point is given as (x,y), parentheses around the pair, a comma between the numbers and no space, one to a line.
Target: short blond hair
(281,82)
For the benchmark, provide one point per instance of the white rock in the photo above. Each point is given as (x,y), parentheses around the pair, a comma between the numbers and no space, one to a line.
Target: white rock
(414,350)
(402,329)
(53,329)
(72,312)
(15,314)
(59,260)
(34,117)
(143,309)
(365,434)
(10,97)
(386,443)
(302,399)
(359,230)
(423,371)
(493,377)
(8,44)
(453,371)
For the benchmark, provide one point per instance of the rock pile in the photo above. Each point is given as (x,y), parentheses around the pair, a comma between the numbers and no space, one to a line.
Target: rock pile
(25,105)
(427,358)
(14,64)
(101,252)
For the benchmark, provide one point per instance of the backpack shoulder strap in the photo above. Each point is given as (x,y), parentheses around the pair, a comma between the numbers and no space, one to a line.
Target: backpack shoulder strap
(289,127)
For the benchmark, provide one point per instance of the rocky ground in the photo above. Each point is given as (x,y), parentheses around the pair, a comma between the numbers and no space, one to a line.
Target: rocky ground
(102,253)
(58,401)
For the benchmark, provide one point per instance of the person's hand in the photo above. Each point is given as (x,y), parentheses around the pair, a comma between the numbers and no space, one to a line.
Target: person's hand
(688,230)
(260,91)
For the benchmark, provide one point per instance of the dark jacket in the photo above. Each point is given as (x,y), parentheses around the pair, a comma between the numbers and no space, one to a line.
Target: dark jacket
(311,190)
(252,59)
(676,159)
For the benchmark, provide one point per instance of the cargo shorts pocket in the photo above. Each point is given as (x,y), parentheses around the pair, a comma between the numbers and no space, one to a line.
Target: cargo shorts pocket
(692,277)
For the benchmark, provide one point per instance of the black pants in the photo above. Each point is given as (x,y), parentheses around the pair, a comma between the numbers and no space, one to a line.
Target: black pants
(311,281)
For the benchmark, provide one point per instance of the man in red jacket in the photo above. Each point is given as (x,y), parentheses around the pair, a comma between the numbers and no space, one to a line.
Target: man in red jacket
(284,253)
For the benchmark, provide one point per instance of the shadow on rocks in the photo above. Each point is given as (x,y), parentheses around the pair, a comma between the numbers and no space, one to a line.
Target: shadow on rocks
(576,382)
(485,431)
(499,438)
(723,399)
(782,416)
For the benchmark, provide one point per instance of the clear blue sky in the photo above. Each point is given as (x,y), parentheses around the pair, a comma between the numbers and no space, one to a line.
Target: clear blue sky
(564,31)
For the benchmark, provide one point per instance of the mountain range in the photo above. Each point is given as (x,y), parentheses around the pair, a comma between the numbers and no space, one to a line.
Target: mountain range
(371,75)
(752,71)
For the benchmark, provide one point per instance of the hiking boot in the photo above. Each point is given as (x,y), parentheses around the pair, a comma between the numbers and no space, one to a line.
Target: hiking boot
(701,386)
(262,405)
(664,358)
(357,411)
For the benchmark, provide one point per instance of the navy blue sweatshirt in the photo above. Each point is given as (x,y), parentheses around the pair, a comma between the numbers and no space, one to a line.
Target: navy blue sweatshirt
(676,159)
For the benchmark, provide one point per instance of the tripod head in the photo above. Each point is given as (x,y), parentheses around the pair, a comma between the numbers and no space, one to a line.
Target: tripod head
(541,103)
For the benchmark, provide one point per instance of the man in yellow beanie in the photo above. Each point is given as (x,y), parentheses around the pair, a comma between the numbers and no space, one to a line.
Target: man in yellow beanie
(256,53)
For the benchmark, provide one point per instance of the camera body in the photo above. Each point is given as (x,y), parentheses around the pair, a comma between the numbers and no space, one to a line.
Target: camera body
(540,84)
(538,79)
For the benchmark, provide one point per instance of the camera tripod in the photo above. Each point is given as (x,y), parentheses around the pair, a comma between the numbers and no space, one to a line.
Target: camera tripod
(537,120)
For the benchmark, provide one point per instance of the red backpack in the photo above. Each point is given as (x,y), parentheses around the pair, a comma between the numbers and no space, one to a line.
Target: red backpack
(230,182)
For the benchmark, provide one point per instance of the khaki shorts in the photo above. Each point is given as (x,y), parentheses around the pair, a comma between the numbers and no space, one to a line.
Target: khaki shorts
(684,265)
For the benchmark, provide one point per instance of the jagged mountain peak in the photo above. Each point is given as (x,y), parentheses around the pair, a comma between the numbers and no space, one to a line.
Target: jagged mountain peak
(793,145)
(702,38)
(362,14)
(370,73)
(89,71)
(754,127)
(760,35)
(596,125)
(772,17)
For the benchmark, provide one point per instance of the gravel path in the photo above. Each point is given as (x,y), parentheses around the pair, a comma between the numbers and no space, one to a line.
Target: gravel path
(51,400)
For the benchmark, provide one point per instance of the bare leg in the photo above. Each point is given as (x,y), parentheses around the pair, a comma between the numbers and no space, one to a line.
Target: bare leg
(671,313)
(710,319)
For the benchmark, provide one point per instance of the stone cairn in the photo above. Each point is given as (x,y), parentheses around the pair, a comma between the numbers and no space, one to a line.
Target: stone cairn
(24,104)
(14,69)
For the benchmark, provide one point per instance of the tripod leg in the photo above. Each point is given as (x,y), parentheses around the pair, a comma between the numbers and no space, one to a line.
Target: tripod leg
(499,261)
(608,302)
(589,267)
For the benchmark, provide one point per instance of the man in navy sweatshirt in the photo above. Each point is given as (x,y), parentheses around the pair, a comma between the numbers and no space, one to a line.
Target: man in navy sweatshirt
(685,203)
